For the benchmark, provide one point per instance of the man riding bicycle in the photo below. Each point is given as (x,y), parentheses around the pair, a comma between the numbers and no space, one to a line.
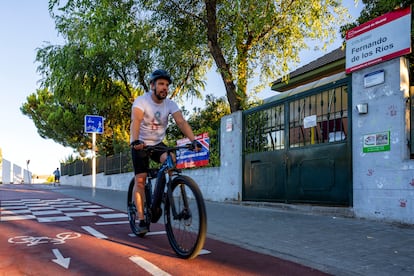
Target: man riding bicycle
(149,119)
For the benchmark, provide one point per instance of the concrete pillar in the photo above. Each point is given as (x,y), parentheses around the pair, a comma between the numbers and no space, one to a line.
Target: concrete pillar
(384,178)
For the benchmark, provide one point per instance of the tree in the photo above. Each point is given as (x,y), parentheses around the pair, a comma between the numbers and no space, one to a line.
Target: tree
(92,73)
(120,31)
(374,8)
(63,121)
(245,37)
(108,52)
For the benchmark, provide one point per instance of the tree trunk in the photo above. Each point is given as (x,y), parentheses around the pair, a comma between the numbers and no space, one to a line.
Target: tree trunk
(215,50)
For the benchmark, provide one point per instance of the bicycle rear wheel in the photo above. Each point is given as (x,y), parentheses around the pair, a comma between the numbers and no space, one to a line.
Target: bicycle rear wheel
(187,230)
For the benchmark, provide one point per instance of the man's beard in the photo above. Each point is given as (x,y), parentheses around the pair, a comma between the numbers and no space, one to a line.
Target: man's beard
(159,97)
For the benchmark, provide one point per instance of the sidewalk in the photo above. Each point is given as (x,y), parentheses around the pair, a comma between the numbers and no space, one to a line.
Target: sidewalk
(329,241)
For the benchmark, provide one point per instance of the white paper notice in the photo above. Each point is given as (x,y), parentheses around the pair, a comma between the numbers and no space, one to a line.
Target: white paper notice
(309,121)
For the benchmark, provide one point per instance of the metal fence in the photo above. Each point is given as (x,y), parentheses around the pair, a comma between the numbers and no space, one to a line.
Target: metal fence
(327,111)
(265,130)
(122,162)
(117,163)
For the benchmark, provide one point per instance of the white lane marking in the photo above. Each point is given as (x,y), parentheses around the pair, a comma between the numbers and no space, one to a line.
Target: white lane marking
(65,209)
(54,219)
(149,233)
(119,215)
(94,232)
(204,252)
(43,213)
(10,202)
(13,207)
(156,233)
(94,206)
(149,267)
(8,218)
(43,208)
(80,214)
(96,210)
(14,212)
(111,222)
(60,260)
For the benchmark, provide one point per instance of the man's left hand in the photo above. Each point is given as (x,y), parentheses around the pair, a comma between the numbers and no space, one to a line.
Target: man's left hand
(196,146)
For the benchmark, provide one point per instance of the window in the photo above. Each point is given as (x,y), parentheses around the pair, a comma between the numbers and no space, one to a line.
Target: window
(330,108)
(265,130)
(267,127)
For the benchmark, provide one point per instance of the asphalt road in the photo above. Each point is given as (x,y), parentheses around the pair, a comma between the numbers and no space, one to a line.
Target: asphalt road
(324,238)
(46,230)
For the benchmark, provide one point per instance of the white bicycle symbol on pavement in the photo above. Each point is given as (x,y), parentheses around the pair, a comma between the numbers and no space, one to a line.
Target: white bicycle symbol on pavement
(32,241)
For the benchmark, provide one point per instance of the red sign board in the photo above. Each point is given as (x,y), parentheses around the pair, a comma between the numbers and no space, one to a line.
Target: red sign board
(377,40)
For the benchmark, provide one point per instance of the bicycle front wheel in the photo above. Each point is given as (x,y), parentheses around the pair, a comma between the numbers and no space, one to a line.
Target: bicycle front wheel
(185,217)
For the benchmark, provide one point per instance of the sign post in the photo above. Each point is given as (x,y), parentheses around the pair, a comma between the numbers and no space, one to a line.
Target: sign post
(94,124)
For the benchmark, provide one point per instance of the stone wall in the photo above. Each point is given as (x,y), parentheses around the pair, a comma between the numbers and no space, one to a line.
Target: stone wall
(383,181)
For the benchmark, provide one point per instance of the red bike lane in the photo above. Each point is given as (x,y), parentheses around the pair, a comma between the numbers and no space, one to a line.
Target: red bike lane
(43,232)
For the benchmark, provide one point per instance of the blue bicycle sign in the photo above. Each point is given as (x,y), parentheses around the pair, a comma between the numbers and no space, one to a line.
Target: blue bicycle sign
(94,124)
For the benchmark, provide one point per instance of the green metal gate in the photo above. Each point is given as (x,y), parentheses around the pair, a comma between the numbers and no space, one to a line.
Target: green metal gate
(298,149)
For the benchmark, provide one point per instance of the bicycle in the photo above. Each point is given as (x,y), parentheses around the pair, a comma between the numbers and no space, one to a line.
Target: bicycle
(185,215)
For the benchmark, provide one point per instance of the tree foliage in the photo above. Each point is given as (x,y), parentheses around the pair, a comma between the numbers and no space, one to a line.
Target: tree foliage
(247,37)
(92,73)
(374,8)
(103,65)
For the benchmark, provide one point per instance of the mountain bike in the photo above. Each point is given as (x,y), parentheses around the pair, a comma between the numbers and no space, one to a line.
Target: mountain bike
(185,215)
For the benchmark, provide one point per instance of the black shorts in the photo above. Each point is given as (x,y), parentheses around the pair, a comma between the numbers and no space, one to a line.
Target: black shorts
(140,158)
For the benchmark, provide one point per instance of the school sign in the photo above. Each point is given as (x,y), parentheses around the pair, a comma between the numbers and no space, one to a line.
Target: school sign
(383,38)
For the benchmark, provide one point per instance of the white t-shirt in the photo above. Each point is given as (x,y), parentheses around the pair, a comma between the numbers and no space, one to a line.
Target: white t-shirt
(154,123)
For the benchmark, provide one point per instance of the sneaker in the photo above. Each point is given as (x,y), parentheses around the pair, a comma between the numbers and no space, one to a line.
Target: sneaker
(142,227)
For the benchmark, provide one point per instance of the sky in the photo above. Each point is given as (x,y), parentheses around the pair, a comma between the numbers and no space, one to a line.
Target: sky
(25,26)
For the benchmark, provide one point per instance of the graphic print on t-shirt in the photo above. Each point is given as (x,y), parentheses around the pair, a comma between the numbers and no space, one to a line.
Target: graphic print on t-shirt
(156,122)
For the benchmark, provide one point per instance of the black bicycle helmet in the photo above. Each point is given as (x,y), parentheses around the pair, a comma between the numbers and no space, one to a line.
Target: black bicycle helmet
(160,74)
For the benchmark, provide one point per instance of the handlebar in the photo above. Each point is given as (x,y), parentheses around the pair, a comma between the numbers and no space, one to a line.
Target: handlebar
(170,149)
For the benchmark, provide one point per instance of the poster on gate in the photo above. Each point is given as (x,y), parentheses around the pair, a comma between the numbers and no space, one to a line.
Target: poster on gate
(190,159)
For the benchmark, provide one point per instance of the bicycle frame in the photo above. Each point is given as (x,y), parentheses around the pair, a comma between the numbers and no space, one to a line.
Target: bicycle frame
(166,169)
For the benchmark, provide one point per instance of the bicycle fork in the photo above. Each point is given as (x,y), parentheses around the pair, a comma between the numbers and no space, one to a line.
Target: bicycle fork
(157,197)
(185,212)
